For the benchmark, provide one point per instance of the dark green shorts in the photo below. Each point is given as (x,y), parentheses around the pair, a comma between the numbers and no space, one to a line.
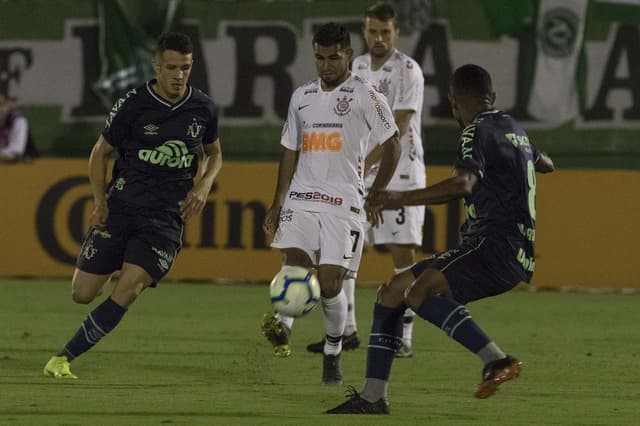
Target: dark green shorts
(149,242)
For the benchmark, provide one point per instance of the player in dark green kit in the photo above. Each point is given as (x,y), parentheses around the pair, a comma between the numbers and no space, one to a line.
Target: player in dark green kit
(136,225)
(495,173)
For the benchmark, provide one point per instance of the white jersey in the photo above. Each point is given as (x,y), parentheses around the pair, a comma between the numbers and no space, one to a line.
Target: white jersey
(401,81)
(331,130)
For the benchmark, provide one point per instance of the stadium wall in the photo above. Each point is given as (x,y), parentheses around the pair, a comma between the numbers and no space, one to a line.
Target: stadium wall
(585,234)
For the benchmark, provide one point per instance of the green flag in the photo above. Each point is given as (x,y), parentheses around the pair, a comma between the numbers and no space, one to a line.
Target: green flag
(128,31)
(560,32)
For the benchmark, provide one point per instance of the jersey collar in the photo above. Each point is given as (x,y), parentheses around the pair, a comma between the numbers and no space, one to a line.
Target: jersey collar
(319,80)
(483,113)
(386,63)
(158,98)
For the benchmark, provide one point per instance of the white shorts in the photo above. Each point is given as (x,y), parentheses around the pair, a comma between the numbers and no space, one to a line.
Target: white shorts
(327,239)
(401,226)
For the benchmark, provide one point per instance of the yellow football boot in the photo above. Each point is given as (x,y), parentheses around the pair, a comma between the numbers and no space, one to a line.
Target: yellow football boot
(59,367)
(277,334)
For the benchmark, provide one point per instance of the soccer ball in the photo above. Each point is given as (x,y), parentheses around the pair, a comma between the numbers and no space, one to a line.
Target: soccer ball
(294,291)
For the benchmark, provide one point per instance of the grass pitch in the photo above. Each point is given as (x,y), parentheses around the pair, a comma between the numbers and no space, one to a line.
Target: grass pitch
(193,354)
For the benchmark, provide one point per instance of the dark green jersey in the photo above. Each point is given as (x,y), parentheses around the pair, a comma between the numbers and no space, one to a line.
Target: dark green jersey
(158,145)
(502,203)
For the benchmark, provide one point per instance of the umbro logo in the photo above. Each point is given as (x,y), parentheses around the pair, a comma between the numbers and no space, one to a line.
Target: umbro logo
(303,106)
(151,130)
(395,232)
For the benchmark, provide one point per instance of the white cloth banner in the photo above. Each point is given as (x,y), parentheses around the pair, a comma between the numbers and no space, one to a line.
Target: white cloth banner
(560,29)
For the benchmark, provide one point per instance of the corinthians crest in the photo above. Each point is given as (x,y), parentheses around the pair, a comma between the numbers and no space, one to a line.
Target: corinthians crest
(343,107)
(383,86)
(194,128)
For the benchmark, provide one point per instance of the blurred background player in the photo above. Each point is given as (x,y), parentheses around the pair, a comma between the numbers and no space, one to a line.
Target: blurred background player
(16,141)
(317,213)
(158,129)
(399,78)
(495,173)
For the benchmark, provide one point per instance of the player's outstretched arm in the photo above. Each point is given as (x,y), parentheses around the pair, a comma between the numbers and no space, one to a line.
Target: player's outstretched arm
(544,163)
(458,186)
(286,168)
(197,197)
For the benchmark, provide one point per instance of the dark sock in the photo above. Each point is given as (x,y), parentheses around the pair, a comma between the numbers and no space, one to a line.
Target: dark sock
(98,323)
(384,341)
(454,319)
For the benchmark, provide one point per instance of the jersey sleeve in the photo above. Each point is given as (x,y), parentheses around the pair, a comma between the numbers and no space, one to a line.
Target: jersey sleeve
(117,127)
(535,152)
(410,87)
(378,115)
(472,154)
(291,129)
(211,133)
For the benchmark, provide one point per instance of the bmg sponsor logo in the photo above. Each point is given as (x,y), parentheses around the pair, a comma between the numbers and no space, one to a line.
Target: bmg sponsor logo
(316,196)
(322,142)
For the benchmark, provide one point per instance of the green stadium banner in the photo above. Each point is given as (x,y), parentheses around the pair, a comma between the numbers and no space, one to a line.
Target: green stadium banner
(127,36)
(251,54)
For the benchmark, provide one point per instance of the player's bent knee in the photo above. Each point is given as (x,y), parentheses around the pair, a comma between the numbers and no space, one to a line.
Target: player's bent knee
(415,296)
(430,283)
(86,286)
(330,289)
(330,277)
(127,294)
(391,294)
(82,297)
(296,257)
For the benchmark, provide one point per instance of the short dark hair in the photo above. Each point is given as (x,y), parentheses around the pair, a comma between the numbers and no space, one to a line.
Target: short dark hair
(331,34)
(382,11)
(471,80)
(179,42)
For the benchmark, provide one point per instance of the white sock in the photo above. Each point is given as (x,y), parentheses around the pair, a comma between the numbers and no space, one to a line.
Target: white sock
(285,320)
(407,327)
(407,320)
(349,287)
(491,352)
(335,315)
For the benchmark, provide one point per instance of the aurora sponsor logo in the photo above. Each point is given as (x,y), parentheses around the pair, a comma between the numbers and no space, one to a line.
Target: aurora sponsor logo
(172,154)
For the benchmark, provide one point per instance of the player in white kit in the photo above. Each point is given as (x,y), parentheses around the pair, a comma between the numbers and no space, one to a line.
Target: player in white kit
(319,207)
(399,78)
